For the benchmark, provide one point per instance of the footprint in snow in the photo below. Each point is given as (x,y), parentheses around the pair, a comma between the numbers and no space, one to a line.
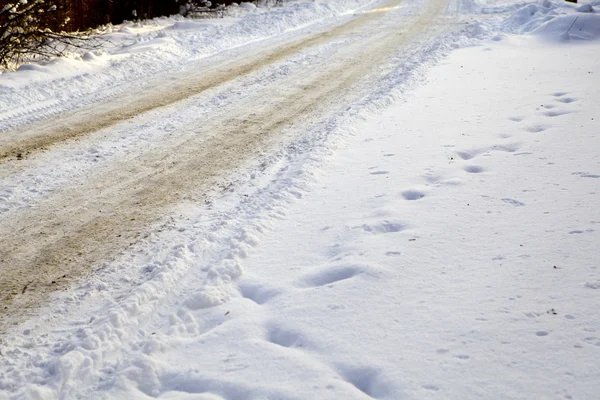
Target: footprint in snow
(412,194)
(513,202)
(368,380)
(592,285)
(556,113)
(535,128)
(332,275)
(559,94)
(592,340)
(384,227)
(258,293)
(470,154)
(285,337)
(586,175)
(379,173)
(566,100)
(474,169)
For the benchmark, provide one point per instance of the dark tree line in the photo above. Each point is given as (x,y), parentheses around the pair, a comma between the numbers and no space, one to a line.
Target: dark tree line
(35,28)
(75,15)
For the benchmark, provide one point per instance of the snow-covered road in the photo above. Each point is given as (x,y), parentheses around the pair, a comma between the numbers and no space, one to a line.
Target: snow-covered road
(83,212)
(334,200)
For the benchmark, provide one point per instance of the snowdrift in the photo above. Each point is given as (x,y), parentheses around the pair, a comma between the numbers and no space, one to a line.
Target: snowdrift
(557,21)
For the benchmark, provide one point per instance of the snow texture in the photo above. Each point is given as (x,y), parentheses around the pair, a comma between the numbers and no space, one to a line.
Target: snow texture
(437,239)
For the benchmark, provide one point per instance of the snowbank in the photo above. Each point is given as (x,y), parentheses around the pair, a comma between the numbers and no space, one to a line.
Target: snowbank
(556,20)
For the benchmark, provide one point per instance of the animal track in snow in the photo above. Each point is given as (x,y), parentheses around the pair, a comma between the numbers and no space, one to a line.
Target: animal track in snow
(592,285)
(332,275)
(286,338)
(379,172)
(592,340)
(437,180)
(559,94)
(412,194)
(366,379)
(556,113)
(469,154)
(474,169)
(258,293)
(516,119)
(585,175)
(535,128)
(384,227)
(393,253)
(566,100)
(513,202)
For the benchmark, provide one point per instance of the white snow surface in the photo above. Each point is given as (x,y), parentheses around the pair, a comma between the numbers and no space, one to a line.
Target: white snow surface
(438,239)
(556,21)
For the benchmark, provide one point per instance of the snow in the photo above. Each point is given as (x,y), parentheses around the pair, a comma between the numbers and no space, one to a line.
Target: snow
(437,239)
(142,51)
(441,247)
(556,21)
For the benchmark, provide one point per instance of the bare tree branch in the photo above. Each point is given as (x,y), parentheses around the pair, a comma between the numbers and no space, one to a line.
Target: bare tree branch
(34,30)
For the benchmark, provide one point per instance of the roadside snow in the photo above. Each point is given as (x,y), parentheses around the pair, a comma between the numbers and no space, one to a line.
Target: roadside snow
(443,247)
(556,21)
(137,52)
(448,251)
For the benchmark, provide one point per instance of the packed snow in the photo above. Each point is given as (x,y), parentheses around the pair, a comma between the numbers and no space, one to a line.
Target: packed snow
(135,52)
(435,238)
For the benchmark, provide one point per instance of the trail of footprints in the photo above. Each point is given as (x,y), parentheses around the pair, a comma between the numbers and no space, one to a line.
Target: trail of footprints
(557,107)
(554,108)
(370,380)
(201,316)
(433,181)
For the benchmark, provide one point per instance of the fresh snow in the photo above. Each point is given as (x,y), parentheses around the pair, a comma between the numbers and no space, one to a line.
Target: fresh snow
(435,238)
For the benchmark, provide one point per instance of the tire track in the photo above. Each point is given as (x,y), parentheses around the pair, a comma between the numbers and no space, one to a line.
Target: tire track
(24,142)
(49,247)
